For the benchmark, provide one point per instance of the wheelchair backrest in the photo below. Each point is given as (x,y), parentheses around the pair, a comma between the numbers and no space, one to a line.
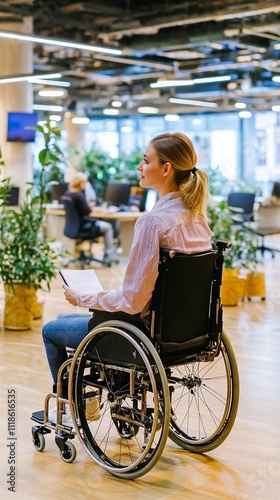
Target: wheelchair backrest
(186,310)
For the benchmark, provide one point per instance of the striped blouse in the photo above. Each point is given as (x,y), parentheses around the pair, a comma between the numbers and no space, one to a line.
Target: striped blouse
(168,225)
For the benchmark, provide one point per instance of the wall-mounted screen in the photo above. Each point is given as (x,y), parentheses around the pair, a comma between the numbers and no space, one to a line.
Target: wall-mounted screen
(16,126)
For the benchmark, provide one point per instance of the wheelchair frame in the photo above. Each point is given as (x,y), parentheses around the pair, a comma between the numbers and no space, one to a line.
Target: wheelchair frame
(127,397)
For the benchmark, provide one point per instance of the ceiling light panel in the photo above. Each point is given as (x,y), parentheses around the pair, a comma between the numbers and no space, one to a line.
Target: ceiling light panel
(58,43)
(191,102)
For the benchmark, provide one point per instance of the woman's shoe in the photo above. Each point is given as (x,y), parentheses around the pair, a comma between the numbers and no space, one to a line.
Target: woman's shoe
(66,416)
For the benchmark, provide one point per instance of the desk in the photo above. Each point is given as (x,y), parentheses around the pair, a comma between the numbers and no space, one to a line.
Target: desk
(56,222)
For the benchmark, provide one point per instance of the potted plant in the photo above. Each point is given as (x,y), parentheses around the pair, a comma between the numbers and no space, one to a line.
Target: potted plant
(240,261)
(28,261)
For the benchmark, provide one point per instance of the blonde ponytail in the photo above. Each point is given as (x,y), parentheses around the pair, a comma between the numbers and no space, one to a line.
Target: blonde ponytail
(178,149)
(195,193)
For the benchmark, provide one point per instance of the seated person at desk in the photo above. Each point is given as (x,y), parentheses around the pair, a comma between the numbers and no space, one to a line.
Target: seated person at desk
(76,192)
(178,221)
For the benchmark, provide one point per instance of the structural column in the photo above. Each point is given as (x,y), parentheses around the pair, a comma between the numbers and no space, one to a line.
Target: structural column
(75,144)
(16,58)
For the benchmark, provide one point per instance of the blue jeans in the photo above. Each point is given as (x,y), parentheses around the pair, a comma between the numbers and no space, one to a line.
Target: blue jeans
(69,330)
(66,331)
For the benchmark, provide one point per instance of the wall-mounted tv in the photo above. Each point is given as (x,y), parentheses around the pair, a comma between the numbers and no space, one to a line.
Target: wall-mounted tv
(16,126)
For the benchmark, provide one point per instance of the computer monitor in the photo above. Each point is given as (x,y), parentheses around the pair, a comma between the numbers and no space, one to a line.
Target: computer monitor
(149,199)
(58,190)
(12,196)
(117,193)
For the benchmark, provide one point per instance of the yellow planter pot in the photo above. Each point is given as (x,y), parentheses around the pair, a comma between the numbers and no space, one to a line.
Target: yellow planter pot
(19,306)
(233,287)
(255,286)
(39,302)
(38,309)
(230,273)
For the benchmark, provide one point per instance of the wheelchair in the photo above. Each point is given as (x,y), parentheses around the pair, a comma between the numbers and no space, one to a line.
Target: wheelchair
(128,391)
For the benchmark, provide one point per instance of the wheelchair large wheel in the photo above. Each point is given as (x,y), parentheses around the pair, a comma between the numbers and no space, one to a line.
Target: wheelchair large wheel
(120,397)
(204,400)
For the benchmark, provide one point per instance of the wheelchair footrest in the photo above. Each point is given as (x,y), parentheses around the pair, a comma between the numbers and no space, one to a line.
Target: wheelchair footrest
(38,416)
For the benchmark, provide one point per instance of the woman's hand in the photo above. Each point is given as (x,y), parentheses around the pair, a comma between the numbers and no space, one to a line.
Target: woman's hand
(70,295)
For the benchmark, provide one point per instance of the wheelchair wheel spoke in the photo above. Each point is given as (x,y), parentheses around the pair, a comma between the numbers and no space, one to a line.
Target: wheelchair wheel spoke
(127,433)
(204,398)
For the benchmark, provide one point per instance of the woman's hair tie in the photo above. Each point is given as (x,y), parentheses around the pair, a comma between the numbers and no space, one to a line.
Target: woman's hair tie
(193,170)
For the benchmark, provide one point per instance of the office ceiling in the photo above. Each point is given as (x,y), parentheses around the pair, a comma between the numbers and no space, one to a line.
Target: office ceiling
(159,39)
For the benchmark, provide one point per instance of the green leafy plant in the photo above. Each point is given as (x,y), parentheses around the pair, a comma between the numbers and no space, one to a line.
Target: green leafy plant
(217,181)
(26,256)
(101,168)
(1,159)
(242,253)
(220,184)
(50,158)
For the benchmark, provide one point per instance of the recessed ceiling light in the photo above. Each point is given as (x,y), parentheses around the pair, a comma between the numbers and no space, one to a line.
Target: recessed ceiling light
(276,79)
(51,93)
(196,121)
(276,108)
(244,114)
(172,118)
(111,112)
(148,110)
(116,104)
(240,105)
(55,118)
(80,120)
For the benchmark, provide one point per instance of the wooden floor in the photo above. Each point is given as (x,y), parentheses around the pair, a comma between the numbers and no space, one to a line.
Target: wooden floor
(245,467)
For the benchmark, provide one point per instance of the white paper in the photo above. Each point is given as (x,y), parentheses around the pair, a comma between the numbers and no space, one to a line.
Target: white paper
(82,280)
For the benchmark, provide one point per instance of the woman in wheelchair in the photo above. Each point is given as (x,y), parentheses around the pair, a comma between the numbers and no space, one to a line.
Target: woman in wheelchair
(125,397)
(178,221)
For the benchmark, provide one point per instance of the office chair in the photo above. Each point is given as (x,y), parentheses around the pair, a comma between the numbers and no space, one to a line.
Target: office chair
(81,231)
(267,224)
(244,203)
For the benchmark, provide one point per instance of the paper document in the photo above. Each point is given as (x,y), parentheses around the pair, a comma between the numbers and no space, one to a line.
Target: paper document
(81,280)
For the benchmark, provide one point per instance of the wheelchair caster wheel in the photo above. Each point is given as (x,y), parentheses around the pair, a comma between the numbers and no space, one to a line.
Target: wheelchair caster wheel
(39,442)
(69,453)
